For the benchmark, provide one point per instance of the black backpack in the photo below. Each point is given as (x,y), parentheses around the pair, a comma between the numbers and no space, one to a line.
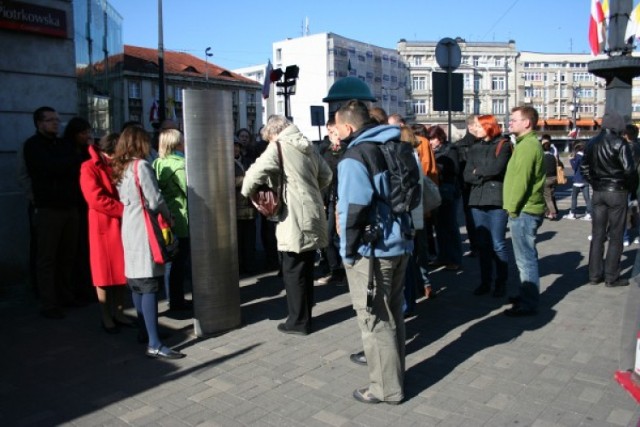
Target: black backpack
(404,176)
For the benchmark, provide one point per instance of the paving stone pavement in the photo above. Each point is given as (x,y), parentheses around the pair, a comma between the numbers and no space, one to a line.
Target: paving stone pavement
(467,363)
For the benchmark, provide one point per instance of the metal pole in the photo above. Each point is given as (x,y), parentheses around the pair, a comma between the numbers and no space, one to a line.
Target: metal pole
(162,107)
(449,94)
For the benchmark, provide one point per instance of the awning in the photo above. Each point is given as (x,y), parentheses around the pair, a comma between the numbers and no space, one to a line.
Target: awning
(586,122)
(556,122)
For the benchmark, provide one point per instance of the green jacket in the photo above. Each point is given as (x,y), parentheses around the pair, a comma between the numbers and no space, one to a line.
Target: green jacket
(172,180)
(525,177)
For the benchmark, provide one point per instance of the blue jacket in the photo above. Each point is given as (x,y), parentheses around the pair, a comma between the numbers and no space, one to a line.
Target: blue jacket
(576,161)
(363,182)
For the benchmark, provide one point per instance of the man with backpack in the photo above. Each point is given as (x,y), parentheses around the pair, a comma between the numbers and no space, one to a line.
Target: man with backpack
(373,235)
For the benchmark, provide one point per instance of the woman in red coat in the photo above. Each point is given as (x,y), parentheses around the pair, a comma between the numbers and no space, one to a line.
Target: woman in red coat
(105,242)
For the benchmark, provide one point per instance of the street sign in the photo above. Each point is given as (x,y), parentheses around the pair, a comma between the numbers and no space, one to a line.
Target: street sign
(440,91)
(448,54)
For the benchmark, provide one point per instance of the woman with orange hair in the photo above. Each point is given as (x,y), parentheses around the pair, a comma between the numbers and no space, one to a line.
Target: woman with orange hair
(486,165)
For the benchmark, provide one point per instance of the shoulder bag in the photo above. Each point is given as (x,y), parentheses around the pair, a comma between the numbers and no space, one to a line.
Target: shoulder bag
(267,200)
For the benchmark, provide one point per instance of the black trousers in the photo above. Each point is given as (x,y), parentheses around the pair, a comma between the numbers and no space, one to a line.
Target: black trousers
(179,266)
(57,235)
(297,274)
(246,230)
(609,214)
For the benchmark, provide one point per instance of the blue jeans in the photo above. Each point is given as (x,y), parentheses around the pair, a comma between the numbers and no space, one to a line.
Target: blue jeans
(585,194)
(523,237)
(491,229)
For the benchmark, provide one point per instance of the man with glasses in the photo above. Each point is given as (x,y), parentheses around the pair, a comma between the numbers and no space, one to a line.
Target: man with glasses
(523,200)
(53,167)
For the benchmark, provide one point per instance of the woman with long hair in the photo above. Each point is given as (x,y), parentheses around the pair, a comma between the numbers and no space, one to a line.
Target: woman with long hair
(105,243)
(143,275)
(172,179)
(486,165)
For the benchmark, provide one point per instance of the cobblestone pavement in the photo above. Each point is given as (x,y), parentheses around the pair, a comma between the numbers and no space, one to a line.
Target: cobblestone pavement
(467,363)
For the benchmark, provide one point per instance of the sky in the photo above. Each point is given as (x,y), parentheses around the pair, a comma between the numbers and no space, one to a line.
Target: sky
(241,32)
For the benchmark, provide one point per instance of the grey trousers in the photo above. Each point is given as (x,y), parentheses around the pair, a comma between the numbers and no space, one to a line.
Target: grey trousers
(383,333)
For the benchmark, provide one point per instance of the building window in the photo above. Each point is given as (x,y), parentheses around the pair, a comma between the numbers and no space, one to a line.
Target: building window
(467,81)
(135,91)
(465,60)
(278,55)
(280,107)
(419,83)
(477,82)
(178,94)
(497,83)
(417,60)
(476,61)
(419,106)
(583,77)
(499,62)
(498,106)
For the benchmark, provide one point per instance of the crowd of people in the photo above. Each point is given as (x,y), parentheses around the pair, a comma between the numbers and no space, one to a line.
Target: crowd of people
(335,198)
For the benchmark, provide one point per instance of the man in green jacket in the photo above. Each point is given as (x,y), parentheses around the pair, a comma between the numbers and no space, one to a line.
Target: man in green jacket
(524,202)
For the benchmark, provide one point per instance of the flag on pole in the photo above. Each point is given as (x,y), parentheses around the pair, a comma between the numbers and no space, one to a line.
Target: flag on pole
(633,25)
(266,86)
(596,28)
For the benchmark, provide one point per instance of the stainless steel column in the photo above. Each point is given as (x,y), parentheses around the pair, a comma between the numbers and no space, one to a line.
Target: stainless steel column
(208,126)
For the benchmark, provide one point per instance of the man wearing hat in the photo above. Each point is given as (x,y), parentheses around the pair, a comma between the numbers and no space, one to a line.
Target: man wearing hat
(609,168)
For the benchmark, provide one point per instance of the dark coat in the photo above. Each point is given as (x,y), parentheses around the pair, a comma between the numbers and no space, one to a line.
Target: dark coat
(105,215)
(608,163)
(485,169)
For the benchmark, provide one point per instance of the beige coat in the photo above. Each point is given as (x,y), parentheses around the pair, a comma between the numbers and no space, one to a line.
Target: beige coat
(304,224)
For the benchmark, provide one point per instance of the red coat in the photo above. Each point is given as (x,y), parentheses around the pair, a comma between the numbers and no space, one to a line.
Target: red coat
(105,216)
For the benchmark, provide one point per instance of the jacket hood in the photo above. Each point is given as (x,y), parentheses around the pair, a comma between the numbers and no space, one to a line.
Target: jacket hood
(378,134)
(293,137)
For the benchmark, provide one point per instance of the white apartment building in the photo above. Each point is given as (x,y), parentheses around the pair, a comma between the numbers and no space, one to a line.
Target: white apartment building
(563,91)
(326,57)
(488,69)
(257,72)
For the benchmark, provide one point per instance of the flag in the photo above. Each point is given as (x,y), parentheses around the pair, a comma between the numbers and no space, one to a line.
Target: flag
(574,133)
(153,113)
(633,26)
(596,28)
(266,86)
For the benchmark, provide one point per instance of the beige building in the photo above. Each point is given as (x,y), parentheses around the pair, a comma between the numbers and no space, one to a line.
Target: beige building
(488,71)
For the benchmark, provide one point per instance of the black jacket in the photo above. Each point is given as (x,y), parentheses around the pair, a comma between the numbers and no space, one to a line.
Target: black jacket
(54,170)
(485,169)
(608,163)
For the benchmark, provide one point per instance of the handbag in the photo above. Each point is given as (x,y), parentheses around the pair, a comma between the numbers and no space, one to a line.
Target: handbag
(561,178)
(162,240)
(266,200)
(431,198)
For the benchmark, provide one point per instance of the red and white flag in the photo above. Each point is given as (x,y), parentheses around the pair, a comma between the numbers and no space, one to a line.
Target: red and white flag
(266,86)
(596,28)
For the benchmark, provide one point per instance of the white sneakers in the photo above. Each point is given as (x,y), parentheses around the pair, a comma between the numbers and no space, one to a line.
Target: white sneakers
(571,215)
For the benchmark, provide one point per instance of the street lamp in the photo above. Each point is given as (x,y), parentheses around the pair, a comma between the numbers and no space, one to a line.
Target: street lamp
(575,107)
(207,54)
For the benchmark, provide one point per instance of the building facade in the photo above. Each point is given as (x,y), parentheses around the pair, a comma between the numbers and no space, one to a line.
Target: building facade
(37,67)
(257,74)
(326,57)
(488,69)
(138,87)
(97,37)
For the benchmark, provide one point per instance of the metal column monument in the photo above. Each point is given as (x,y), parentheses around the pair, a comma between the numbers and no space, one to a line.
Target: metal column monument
(208,128)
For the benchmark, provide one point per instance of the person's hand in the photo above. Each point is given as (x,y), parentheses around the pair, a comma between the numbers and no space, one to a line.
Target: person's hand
(337,224)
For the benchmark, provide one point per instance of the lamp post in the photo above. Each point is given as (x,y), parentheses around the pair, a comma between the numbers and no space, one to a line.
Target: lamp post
(288,85)
(162,108)
(207,54)
(575,107)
